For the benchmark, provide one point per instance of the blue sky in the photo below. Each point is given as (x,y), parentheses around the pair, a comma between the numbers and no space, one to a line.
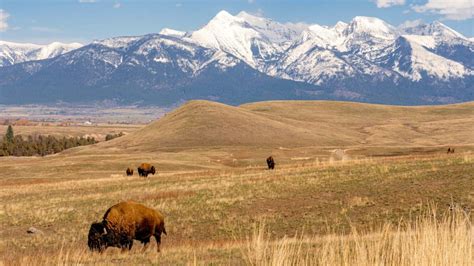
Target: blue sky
(87,20)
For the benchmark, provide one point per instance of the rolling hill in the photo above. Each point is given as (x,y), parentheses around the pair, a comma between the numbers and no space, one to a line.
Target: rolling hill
(276,124)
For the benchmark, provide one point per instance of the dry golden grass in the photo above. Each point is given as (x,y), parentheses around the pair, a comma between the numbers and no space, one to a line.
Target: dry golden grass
(291,124)
(210,213)
(55,129)
(343,172)
(429,240)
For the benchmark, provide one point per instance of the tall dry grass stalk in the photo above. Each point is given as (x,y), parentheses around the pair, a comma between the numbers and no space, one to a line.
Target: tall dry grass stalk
(429,240)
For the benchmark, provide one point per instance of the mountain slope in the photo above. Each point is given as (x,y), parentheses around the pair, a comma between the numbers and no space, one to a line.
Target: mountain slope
(250,38)
(14,53)
(151,69)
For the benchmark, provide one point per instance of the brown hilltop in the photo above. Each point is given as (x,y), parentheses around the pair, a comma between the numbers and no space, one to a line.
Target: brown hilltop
(204,123)
(303,123)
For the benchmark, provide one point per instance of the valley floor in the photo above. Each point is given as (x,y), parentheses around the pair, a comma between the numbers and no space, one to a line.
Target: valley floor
(216,215)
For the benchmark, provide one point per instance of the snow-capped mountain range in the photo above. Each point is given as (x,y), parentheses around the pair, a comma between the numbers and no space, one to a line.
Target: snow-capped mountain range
(14,53)
(242,58)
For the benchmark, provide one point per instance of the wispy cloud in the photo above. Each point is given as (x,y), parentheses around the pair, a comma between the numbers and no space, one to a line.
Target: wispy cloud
(179,5)
(453,9)
(3,20)
(251,1)
(117,5)
(411,23)
(87,1)
(44,29)
(389,3)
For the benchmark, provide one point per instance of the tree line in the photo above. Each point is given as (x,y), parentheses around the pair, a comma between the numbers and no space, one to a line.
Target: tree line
(38,144)
(113,136)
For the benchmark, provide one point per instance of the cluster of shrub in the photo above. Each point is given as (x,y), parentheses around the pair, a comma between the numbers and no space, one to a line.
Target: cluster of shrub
(113,136)
(38,144)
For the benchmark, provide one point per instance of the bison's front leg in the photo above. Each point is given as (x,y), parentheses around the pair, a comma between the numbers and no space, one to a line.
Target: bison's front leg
(145,243)
(125,242)
(158,240)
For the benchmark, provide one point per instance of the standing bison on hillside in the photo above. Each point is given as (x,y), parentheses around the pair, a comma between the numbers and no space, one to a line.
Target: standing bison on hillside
(145,168)
(129,171)
(270,163)
(124,222)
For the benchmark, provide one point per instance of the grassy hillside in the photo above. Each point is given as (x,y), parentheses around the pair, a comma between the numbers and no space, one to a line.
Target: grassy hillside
(305,123)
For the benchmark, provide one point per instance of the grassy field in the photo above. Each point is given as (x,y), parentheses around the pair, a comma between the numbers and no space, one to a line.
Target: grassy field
(98,131)
(211,214)
(360,195)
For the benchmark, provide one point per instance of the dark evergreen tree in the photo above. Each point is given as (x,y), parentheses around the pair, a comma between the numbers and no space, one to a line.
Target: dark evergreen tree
(9,134)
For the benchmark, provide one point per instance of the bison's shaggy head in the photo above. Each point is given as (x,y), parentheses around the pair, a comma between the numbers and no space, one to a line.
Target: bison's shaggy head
(97,237)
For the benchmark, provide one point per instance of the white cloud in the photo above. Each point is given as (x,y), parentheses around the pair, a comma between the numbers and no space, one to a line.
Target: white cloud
(117,5)
(453,9)
(389,3)
(179,5)
(3,20)
(251,1)
(87,1)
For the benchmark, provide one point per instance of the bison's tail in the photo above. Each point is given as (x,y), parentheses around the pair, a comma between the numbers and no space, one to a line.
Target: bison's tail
(164,229)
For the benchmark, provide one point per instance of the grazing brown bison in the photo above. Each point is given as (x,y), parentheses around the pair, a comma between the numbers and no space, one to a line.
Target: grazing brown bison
(129,171)
(270,163)
(145,168)
(124,222)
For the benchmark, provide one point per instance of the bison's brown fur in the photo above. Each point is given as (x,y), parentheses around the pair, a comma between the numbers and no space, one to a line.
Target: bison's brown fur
(145,168)
(129,171)
(124,222)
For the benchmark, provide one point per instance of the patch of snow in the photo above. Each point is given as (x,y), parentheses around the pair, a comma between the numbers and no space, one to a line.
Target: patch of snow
(172,33)
(14,53)
(118,42)
(426,41)
(424,61)
(161,59)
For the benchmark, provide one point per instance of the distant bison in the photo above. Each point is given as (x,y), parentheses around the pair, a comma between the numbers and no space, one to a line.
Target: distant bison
(270,163)
(450,150)
(124,222)
(145,168)
(129,171)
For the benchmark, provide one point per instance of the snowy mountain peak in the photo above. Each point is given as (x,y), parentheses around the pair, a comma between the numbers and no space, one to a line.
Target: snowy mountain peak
(20,45)
(223,16)
(55,49)
(371,26)
(117,42)
(435,29)
(246,15)
(340,26)
(172,33)
(246,36)
(13,53)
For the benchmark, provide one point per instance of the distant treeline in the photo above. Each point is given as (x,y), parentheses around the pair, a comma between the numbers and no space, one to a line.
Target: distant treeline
(113,136)
(38,144)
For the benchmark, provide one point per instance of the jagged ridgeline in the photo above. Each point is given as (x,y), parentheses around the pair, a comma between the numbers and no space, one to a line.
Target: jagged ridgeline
(245,58)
